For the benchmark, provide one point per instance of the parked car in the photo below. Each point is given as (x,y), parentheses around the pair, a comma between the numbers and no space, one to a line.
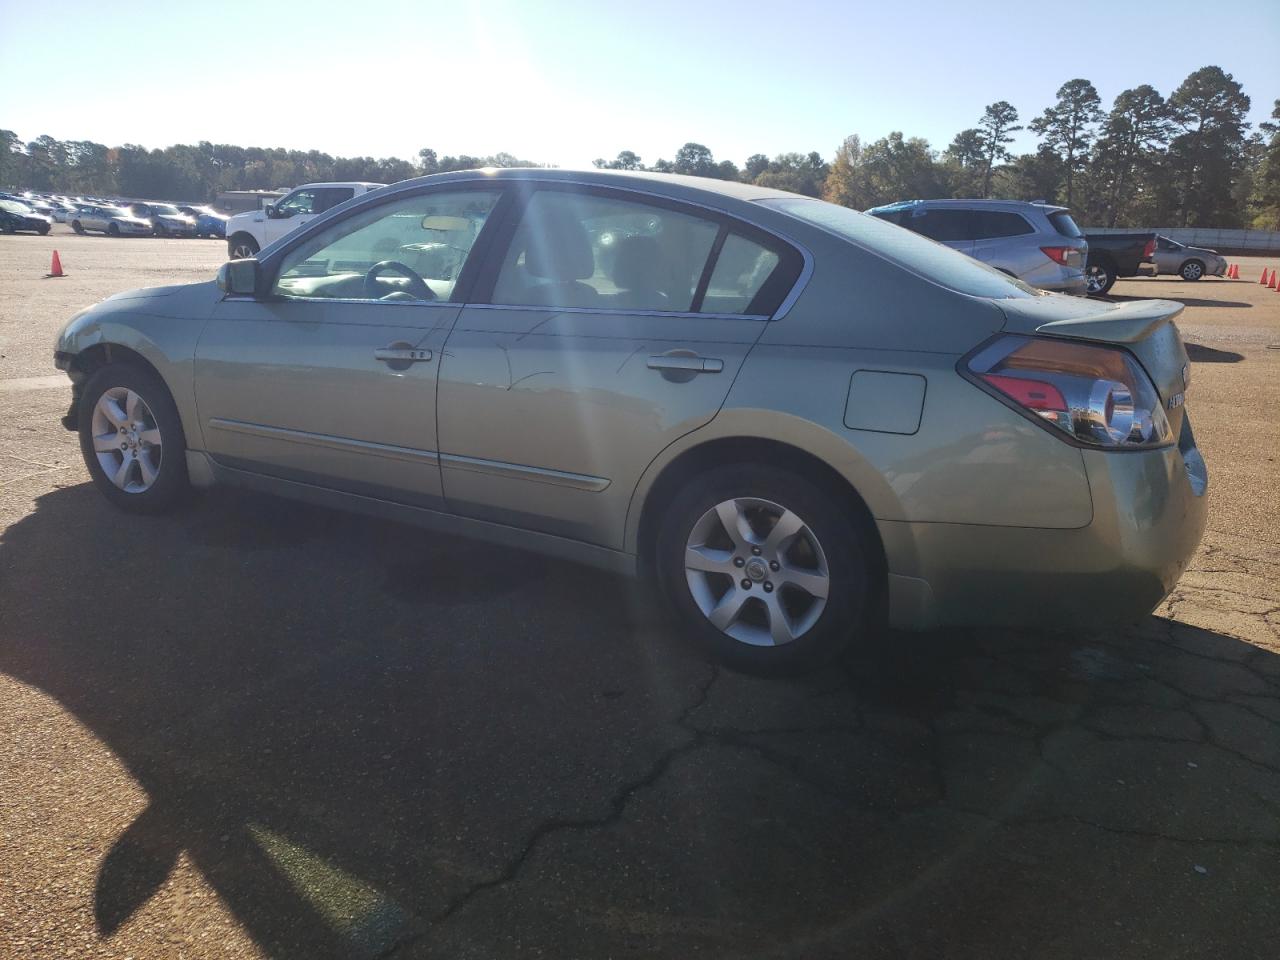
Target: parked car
(166,219)
(209,222)
(62,211)
(1115,255)
(787,412)
(1189,263)
(113,221)
(1036,243)
(17,216)
(247,233)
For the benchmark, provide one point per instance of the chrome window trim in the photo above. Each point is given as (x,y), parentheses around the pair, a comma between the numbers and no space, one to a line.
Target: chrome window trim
(613,311)
(280,297)
(327,441)
(389,193)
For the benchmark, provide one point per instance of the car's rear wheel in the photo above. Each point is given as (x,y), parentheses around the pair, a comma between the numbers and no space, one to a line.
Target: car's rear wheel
(76,226)
(113,229)
(44,229)
(132,440)
(1099,277)
(1192,270)
(763,568)
(241,247)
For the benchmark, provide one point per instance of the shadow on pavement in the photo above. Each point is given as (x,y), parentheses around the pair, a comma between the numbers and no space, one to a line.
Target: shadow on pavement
(1199,353)
(374,740)
(1187,301)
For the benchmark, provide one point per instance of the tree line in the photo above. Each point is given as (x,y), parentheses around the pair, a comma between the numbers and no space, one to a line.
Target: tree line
(1188,159)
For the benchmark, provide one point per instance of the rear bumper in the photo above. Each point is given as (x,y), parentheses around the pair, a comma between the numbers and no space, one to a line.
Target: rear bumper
(1149,515)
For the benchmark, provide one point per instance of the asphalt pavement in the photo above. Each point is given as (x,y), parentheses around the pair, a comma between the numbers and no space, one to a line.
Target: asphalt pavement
(259,729)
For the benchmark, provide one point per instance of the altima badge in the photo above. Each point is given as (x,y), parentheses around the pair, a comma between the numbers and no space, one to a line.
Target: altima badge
(1176,400)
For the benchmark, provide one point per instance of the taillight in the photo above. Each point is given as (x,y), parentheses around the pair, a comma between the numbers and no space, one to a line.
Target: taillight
(1149,250)
(1066,256)
(1097,395)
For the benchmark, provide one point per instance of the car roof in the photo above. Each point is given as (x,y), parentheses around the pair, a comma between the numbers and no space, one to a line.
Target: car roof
(340,183)
(967,204)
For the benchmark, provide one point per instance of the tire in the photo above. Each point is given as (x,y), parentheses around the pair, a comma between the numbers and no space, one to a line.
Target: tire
(113,229)
(75,225)
(1191,270)
(44,229)
(1099,277)
(241,247)
(145,476)
(7,228)
(769,628)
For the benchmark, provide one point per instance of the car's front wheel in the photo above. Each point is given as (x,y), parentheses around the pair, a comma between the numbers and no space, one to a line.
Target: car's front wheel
(1192,270)
(132,440)
(764,568)
(113,229)
(77,226)
(241,247)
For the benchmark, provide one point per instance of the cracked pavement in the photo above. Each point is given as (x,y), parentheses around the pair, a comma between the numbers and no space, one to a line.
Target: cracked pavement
(259,729)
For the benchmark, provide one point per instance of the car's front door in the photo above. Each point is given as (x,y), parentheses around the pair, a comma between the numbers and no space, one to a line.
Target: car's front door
(292,212)
(329,377)
(616,324)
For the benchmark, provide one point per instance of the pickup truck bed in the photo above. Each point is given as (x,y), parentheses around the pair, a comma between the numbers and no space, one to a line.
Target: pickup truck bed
(1114,255)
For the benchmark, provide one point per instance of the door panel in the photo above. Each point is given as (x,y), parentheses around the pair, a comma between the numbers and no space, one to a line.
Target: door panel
(547,419)
(295,389)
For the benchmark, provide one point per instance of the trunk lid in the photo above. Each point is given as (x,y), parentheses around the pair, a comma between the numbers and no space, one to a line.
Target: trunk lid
(1143,327)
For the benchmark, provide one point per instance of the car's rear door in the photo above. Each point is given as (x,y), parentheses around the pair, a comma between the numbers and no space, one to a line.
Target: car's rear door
(999,239)
(952,226)
(329,377)
(615,323)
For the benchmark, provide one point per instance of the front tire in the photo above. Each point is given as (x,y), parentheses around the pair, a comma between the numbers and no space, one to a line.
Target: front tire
(241,247)
(113,229)
(76,226)
(763,568)
(132,440)
(1192,270)
(44,229)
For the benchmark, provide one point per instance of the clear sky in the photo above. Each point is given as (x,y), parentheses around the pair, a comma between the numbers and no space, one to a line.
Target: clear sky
(563,82)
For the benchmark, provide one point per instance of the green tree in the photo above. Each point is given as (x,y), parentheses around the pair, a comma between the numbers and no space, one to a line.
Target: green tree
(796,172)
(846,178)
(1133,133)
(1265,199)
(998,122)
(1206,155)
(626,160)
(965,160)
(1067,127)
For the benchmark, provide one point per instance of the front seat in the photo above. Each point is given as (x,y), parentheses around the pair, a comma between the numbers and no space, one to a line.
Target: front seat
(557,251)
(637,273)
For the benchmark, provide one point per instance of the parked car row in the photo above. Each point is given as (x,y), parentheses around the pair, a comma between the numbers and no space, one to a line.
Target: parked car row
(117,217)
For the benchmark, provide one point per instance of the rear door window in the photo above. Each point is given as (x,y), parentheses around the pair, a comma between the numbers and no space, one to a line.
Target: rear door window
(992,224)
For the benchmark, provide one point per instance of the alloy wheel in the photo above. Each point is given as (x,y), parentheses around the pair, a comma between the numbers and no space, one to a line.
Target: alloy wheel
(126,440)
(757,571)
(1095,279)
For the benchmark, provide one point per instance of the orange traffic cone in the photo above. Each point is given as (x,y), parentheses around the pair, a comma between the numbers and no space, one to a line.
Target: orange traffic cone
(1263,281)
(1234,272)
(1272,284)
(55,268)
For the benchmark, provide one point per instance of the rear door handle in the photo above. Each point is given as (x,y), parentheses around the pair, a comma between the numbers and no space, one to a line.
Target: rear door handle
(404,355)
(687,364)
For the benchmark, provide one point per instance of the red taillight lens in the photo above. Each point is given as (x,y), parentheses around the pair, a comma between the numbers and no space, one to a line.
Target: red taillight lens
(1058,254)
(1149,250)
(1097,394)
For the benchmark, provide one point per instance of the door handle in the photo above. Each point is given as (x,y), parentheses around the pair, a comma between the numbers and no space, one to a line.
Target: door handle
(688,364)
(401,355)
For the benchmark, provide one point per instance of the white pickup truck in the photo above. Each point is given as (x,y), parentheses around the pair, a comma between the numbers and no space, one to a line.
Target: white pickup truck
(247,233)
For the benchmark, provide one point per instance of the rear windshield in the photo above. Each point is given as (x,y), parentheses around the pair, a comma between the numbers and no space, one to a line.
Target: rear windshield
(931,260)
(1063,223)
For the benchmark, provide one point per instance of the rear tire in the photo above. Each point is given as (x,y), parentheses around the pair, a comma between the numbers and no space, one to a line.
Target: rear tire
(1191,270)
(113,229)
(132,440)
(1099,277)
(44,229)
(767,597)
(75,225)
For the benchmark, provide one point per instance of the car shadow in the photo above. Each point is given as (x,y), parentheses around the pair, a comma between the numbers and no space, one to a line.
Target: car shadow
(1186,301)
(1199,353)
(367,737)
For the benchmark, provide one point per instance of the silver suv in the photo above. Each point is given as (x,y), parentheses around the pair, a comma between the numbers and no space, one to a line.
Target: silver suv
(1034,242)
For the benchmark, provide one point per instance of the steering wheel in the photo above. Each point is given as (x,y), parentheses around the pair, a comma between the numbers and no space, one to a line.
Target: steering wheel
(417,286)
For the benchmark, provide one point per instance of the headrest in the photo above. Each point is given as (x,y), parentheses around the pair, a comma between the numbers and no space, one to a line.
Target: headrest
(637,264)
(557,247)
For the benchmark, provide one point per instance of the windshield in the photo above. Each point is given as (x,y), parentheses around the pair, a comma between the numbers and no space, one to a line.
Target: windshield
(168,209)
(918,254)
(13,206)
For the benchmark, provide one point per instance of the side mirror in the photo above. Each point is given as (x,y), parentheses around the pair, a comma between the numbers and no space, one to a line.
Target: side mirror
(270,210)
(239,277)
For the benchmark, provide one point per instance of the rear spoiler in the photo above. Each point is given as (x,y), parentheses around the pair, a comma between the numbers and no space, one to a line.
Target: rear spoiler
(1125,323)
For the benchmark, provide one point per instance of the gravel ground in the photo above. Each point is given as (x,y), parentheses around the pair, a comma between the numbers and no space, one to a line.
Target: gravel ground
(259,729)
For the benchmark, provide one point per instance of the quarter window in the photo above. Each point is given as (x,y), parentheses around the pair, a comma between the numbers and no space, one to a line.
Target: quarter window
(409,249)
(741,271)
(992,224)
(581,250)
